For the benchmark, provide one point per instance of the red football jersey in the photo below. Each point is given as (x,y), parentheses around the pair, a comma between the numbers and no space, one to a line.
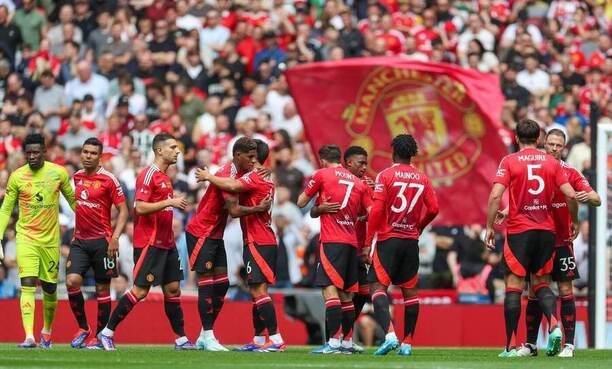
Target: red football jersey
(532,177)
(211,217)
(153,185)
(362,221)
(561,214)
(95,196)
(350,192)
(257,227)
(405,191)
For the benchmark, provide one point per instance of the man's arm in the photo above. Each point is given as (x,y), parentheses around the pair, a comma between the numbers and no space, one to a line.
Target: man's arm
(431,202)
(572,205)
(122,217)
(493,206)
(375,220)
(592,198)
(146,208)
(236,210)
(303,200)
(67,190)
(10,200)
(324,207)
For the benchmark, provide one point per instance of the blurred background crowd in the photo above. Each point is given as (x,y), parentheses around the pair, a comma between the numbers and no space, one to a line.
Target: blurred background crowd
(211,71)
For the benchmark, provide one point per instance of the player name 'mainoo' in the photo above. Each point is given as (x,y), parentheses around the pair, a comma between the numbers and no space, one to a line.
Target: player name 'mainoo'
(407,175)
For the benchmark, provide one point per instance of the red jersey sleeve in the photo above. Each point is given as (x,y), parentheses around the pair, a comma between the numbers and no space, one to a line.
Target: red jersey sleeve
(366,198)
(117,193)
(561,176)
(249,181)
(144,190)
(314,184)
(578,182)
(503,173)
(380,188)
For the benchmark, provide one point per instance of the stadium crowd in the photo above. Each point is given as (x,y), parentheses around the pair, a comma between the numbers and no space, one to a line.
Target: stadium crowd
(209,72)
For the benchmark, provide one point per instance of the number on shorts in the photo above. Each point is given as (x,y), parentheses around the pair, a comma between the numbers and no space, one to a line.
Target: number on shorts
(347,194)
(567,263)
(109,263)
(402,196)
(248,267)
(53,265)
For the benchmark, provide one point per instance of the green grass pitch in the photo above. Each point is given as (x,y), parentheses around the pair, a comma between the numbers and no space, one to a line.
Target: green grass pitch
(153,357)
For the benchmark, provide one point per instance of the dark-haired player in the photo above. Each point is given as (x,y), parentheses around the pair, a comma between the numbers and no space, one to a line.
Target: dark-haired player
(260,246)
(356,161)
(564,264)
(95,244)
(36,187)
(205,242)
(532,178)
(400,194)
(337,269)
(155,254)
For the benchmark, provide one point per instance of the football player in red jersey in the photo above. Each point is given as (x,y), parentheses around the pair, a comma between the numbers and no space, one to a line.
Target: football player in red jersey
(532,177)
(260,246)
(205,242)
(356,161)
(337,269)
(564,264)
(157,260)
(95,244)
(396,221)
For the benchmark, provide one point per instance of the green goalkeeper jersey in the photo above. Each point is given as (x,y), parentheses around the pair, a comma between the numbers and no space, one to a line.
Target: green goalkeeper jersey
(37,193)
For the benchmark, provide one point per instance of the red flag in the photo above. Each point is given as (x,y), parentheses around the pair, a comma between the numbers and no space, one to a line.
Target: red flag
(453,113)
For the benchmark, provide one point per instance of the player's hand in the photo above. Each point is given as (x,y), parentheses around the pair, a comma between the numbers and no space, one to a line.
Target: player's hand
(202,175)
(264,172)
(582,197)
(501,216)
(113,248)
(328,207)
(370,182)
(365,255)
(179,202)
(265,204)
(490,239)
(575,231)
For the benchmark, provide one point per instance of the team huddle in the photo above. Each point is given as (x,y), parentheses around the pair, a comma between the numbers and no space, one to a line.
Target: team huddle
(368,240)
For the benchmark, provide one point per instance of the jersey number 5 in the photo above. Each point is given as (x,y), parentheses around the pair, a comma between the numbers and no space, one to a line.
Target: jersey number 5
(533,177)
(401,195)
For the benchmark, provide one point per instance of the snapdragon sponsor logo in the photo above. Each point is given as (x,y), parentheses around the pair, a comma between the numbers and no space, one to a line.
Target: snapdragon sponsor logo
(559,205)
(88,204)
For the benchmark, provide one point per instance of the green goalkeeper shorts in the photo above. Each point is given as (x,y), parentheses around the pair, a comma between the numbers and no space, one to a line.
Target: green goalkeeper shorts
(37,261)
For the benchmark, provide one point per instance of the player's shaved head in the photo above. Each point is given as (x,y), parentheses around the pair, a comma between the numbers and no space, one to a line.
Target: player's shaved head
(356,160)
(354,150)
(404,148)
(33,139)
(330,153)
(34,148)
(263,150)
(528,131)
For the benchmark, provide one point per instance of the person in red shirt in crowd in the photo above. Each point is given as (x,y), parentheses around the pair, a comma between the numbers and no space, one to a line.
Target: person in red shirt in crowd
(403,19)
(427,33)
(356,161)
(155,255)
(95,244)
(163,124)
(596,90)
(396,221)
(394,39)
(532,177)
(8,143)
(564,265)
(207,256)
(111,138)
(337,272)
(260,246)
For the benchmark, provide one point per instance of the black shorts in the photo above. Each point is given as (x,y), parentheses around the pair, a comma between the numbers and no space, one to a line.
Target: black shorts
(530,252)
(260,263)
(91,253)
(564,264)
(205,254)
(337,266)
(154,267)
(396,261)
(362,277)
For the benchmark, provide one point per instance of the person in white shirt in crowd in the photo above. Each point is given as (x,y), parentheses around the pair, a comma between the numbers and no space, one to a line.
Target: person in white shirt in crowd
(50,101)
(212,37)
(475,30)
(534,79)
(258,105)
(137,103)
(87,82)
(185,20)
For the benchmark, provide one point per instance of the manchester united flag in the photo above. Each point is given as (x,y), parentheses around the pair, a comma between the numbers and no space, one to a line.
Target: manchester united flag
(453,113)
